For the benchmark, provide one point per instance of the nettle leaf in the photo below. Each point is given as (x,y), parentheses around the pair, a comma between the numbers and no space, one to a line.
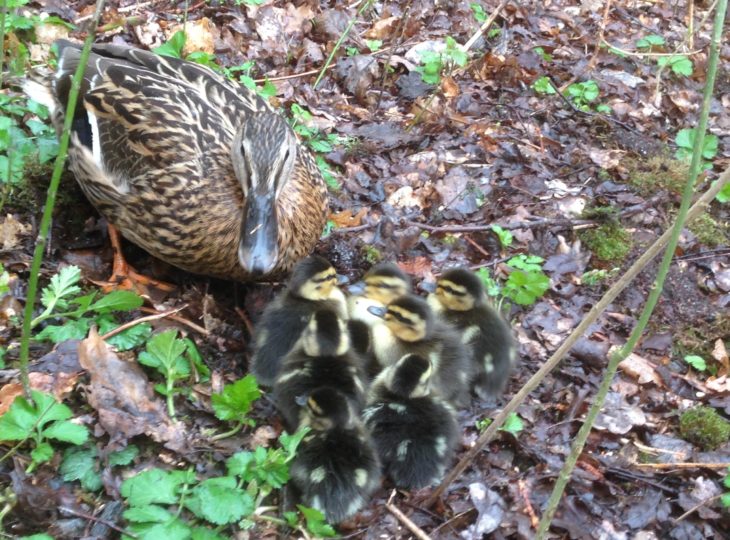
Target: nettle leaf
(123,457)
(164,353)
(315,521)
(42,453)
(67,432)
(117,301)
(173,47)
(57,333)
(235,401)
(62,285)
(81,464)
(220,501)
(204,533)
(154,486)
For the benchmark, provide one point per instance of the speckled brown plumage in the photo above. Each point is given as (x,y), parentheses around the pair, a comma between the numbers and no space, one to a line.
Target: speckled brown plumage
(165,176)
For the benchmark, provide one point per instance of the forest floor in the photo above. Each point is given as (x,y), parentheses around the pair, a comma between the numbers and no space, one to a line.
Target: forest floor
(422,141)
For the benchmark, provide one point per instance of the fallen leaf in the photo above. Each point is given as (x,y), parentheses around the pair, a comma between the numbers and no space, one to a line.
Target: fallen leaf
(123,398)
(10,232)
(641,369)
(618,416)
(347,218)
(382,28)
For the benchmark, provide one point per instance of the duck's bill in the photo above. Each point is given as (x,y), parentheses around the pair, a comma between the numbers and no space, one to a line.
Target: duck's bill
(428,286)
(356,288)
(378,311)
(258,249)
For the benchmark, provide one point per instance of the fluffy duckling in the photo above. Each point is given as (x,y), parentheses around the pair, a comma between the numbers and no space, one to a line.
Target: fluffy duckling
(336,467)
(312,286)
(322,357)
(460,299)
(414,431)
(412,328)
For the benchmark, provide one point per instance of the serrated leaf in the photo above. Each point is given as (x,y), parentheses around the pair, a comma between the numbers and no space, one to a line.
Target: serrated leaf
(42,453)
(80,464)
(235,401)
(67,432)
(153,486)
(315,521)
(147,514)
(117,301)
(57,333)
(203,533)
(123,457)
(696,362)
(62,285)
(131,337)
(18,422)
(239,464)
(220,501)
(173,47)
(164,353)
(649,41)
(175,529)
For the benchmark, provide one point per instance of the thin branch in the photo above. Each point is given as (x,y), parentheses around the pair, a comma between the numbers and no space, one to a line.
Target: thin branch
(405,520)
(472,40)
(697,507)
(181,320)
(121,328)
(662,466)
(646,54)
(67,510)
(558,355)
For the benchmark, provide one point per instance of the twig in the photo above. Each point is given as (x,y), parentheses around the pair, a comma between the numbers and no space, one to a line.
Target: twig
(67,510)
(645,54)
(524,493)
(585,323)
(662,466)
(697,507)
(484,27)
(358,228)
(181,320)
(401,30)
(147,318)
(405,520)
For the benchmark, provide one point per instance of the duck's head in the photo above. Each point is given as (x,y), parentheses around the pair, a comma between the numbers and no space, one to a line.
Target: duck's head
(383,283)
(325,335)
(324,409)
(458,290)
(410,376)
(408,317)
(313,278)
(264,152)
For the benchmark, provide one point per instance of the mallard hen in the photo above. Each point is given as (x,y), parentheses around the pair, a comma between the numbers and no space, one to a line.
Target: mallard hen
(194,168)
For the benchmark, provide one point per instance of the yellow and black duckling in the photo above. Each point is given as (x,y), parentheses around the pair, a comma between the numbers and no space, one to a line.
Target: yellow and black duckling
(413,429)
(460,300)
(336,468)
(312,286)
(192,167)
(322,357)
(414,329)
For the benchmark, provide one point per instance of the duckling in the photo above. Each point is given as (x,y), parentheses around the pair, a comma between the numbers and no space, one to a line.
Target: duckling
(412,328)
(312,286)
(414,431)
(382,284)
(336,467)
(322,357)
(460,299)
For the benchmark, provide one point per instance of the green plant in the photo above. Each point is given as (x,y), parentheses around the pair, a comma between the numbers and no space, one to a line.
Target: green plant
(608,242)
(527,282)
(704,427)
(314,522)
(594,277)
(242,74)
(82,464)
(61,300)
(490,284)
(505,237)
(543,85)
(40,420)
(234,403)
(725,498)
(174,359)
(583,93)
(696,362)
(374,44)
(679,64)
(542,54)
(478,11)
(724,195)
(433,64)
(371,254)
(250,2)
(650,41)
(685,141)
(176,504)
(513,424)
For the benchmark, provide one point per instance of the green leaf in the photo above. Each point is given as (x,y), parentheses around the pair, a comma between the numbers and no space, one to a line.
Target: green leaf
(529,263)
(724,195)
(129,338)
(290,442)
(490,284)
(543,86)
(513,424)
(235,401)
(240,463)
(203,533)
(505,237)
(173,47)
(680,64)
(146,514)
(39,536)
(220,501)
(650,41)
(174,529)
(726,481)
(124,456)
(80,464)
(42,453)
(67,432)
(725,500)
(164,353)
(62,285)
(204,58)
(696,362)
(69,330)
(316,523)
(154,486)
(374,44)
(478,11)
(604,109)
(117,301)
(525,288)
(18,422)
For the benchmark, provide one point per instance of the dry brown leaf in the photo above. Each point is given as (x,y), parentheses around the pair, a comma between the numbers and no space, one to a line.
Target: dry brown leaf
(123,398)
(419,267)
(719,353)
(199,35)
(641,369)
(8,393)
(718,384)
(382,28)
(347,218)
(10,232)
(449,87)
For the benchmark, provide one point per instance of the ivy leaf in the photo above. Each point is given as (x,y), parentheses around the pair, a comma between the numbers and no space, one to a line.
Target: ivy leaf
(235,401)
(220,501)
(154,486)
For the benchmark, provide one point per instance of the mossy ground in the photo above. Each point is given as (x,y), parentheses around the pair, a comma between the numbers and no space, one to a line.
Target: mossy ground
(704,427)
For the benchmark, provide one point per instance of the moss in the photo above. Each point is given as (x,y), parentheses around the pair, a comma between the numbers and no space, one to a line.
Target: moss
(704,427)
(609,242)
(657,173)
(372,255)
(708,230)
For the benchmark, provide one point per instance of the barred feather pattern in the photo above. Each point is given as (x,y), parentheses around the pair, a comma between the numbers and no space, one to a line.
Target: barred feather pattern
(164,174)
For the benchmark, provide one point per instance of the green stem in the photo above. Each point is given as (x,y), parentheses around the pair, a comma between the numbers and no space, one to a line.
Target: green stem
(3,11)
(326,66)
(51,200)
(169,386)
(227,434)
(656,290)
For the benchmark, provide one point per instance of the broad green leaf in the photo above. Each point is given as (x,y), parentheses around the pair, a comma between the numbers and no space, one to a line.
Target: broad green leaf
(316,523)
(174,529)
(196,359)
(80,464)
(18,422)
(164,353)
(696,362)
(173,47)
(57,333)
(373,44)
(526,287)
(117,301)
(67,432)
(240,463)
(649,41)
(124,456)
(290,443)
(505,237)
(513,424)
(725,500)
(724,195)
(153,486)
(42,453)
(203,533)
(235,401)
(220,501)
(147,514)
(543,86)
(39,536)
